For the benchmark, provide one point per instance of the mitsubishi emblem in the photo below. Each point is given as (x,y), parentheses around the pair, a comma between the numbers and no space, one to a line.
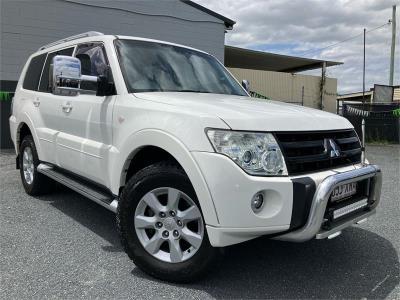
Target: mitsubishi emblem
(332,148)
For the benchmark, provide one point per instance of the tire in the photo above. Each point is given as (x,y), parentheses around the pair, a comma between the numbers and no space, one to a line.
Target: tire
(38,184)
(155,180)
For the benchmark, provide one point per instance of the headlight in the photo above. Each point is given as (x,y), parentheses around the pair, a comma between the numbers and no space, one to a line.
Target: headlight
(255,153)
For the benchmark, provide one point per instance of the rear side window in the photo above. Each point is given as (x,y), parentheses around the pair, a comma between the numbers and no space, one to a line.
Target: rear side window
(32,75)
(44,82)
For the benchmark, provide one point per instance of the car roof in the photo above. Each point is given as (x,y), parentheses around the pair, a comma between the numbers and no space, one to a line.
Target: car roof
(104,38)
(124,37)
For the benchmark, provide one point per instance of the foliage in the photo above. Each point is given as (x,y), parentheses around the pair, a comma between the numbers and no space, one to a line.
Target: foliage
(257,95)
(379,142)
(5,96)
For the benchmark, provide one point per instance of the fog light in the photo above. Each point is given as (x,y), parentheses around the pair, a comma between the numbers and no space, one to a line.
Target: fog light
(257,202)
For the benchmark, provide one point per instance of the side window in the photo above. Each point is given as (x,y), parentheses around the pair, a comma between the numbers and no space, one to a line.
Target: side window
(32,75)
(93,62)
(44,82)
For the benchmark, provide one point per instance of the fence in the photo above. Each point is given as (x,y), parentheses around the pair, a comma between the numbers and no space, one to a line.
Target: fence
(382,120)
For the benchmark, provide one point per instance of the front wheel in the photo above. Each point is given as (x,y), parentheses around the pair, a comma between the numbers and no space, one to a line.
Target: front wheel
(161,225)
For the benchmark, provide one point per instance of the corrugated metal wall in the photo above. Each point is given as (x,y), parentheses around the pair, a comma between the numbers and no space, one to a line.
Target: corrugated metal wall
(25,25)
(396,94)
(293,88)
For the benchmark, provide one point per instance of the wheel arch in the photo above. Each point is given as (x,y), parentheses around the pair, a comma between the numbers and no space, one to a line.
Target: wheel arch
(22,131)
(172,148)
(25,127)
(142,157)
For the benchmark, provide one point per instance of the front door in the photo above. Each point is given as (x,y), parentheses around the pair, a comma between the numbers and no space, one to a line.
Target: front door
(48,106)
(85,138)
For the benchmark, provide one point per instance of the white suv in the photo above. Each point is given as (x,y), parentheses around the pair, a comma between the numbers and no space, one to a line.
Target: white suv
(163,135)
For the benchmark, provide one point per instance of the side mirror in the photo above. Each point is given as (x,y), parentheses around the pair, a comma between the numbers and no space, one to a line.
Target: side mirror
(105,84)
(65,76)
(246,85)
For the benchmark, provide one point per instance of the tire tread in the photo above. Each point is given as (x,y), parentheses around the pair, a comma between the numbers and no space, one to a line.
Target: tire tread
(41,184)
(175,274)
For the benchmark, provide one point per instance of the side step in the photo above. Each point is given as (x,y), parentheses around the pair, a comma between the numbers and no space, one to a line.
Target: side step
(80,186)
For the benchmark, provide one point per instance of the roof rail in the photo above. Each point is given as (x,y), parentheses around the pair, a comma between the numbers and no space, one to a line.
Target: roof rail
(71,38)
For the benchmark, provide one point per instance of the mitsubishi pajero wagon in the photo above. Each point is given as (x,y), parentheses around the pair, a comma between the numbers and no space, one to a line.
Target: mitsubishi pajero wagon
(164,136)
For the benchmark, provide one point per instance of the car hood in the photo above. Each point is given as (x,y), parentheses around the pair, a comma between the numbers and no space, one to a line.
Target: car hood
(245,113)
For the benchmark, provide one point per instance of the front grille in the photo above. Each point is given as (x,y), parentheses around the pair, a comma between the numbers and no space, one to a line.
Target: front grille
(307,152)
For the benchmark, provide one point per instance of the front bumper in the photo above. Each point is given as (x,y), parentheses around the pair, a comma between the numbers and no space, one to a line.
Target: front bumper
(294,206)
(313,227)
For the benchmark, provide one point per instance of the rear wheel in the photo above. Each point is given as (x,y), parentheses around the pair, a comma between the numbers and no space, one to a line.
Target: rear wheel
(34,183)
(162,227)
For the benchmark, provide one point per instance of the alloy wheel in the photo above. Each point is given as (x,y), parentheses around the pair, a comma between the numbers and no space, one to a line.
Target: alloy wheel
(28,165)
(169,225)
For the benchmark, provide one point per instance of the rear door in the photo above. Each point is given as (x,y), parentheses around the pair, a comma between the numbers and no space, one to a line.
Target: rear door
(27,96)
(85,138)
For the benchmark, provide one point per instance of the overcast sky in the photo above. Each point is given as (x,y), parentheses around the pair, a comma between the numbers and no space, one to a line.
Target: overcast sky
(301,27)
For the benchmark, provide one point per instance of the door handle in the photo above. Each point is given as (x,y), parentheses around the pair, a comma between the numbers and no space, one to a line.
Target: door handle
(36,102)
(67,107)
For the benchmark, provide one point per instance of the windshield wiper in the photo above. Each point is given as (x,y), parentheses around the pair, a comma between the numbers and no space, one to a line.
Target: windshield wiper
(161,90)
(192,91)
(146,90)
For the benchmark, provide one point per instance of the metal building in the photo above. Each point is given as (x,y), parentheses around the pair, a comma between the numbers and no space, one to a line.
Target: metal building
(277,77)
(28,24)
(369,96)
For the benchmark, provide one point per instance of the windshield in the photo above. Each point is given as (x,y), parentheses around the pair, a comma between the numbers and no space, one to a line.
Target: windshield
(154,67)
